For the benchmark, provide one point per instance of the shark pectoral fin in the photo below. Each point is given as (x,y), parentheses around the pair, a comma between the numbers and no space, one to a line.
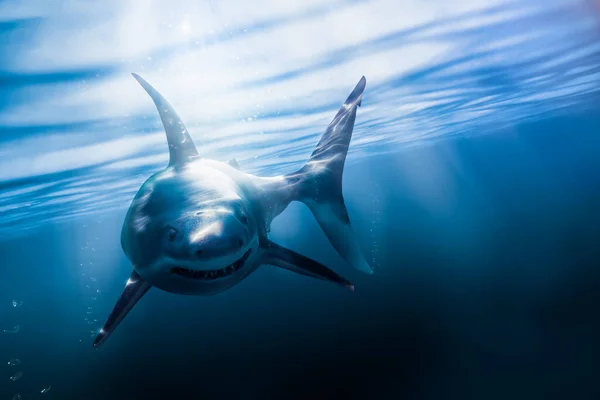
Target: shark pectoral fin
(233,162)
(135,288)
(279,256)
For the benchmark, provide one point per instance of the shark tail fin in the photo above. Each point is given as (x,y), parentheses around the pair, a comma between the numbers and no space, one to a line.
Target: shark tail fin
(319,182)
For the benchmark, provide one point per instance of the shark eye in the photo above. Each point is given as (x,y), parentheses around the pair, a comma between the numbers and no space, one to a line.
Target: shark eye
(172,234)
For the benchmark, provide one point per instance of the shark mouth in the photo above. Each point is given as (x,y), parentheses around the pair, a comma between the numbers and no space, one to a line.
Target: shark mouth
(212,274)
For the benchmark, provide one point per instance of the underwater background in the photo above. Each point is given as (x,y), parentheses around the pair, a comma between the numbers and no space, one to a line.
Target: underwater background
(472,181)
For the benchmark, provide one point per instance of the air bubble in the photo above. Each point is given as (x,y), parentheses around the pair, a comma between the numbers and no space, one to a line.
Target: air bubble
(17,303)
(14,329)
(45,390)
(16,376)
(14,361)
(17,396)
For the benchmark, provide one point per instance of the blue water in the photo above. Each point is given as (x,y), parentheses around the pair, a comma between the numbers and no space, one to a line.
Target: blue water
(472,181)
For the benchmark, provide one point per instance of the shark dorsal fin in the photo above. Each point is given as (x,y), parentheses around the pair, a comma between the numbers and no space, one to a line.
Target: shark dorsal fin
(233,162)
(181,146)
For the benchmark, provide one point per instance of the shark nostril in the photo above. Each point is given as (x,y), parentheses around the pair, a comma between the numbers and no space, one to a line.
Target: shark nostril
(240,242)
(198,253)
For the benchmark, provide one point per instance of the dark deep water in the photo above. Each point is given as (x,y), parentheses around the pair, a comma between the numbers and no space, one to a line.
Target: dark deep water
(486,287)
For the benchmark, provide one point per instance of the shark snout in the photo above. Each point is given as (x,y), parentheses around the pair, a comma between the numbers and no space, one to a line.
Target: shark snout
(219,238)
(215,246)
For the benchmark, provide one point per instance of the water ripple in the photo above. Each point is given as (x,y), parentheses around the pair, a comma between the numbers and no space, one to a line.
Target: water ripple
(77,136)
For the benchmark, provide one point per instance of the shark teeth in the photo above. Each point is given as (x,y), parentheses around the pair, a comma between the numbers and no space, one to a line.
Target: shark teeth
(212,274)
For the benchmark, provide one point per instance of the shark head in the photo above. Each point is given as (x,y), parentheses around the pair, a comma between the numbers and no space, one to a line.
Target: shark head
(191,231)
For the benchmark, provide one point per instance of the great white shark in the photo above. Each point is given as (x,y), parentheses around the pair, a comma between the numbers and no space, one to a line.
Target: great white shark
(201,226)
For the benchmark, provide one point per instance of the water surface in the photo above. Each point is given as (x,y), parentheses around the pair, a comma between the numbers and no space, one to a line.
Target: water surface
(473,181)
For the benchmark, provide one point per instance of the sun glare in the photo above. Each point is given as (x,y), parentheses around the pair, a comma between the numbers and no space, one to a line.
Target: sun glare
(186,27)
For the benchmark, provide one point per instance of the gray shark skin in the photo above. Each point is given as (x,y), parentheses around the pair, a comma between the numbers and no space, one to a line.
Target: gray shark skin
(200,226)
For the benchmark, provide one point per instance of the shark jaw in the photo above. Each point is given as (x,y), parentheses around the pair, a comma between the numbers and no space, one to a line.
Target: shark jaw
(209,275)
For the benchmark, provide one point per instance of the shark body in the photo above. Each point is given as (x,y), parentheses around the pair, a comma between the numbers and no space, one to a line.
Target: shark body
(201,226)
